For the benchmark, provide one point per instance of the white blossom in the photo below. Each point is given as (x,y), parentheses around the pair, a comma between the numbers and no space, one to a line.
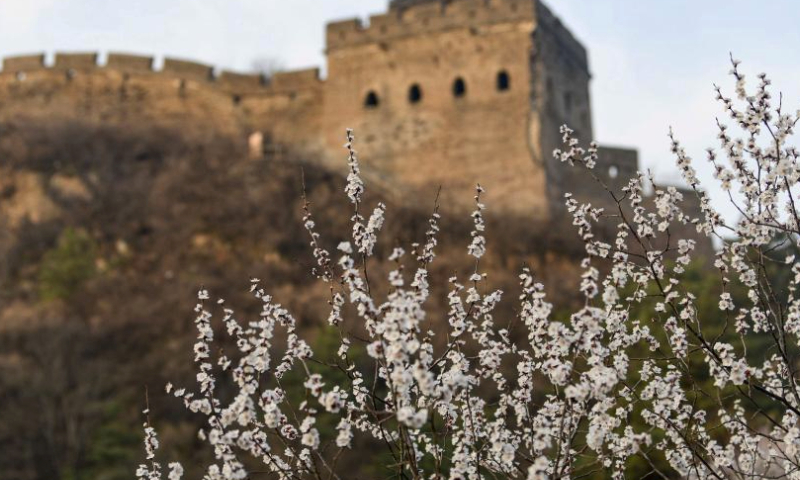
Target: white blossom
(552,391)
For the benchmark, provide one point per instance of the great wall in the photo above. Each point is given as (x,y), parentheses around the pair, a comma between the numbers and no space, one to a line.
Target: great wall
(447,93)
(127,182)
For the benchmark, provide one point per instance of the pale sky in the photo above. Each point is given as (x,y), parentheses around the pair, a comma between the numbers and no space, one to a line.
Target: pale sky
(653,62)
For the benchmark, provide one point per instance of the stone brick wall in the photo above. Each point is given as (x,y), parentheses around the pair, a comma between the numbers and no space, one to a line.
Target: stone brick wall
(441,93)
(128,88)
(463,129)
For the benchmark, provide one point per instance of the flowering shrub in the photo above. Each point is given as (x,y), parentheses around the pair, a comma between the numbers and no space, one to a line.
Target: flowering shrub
(637,373)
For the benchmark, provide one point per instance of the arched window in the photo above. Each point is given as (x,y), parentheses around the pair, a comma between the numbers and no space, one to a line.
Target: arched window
(414,94)
(459,87)
(503,81)
(371,100)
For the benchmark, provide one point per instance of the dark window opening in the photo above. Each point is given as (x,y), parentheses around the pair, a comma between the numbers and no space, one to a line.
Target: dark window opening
(371,101)
(237,99)
(459,87)
(503,81)
(414,94)
(568,102)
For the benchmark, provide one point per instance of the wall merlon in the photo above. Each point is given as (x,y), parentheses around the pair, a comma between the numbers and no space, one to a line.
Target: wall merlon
(347,25)
(296,80)
(343,32)
(240,81)
(76,61)
(187,69)
(23,63)
(342,29)
(382,21)
(129,63)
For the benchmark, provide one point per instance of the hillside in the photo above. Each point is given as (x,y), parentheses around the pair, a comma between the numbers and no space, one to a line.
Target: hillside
(110,226)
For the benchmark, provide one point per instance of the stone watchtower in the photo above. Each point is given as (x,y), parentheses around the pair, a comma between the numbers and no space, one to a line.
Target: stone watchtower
(457,92)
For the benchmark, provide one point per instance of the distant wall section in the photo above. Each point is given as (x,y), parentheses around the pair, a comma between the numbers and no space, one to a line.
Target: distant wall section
(189,95)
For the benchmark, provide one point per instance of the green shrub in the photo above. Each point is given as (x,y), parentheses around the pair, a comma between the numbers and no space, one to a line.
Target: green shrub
(69,264)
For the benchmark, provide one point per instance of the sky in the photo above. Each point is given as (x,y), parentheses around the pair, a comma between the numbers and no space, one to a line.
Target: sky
(654,63)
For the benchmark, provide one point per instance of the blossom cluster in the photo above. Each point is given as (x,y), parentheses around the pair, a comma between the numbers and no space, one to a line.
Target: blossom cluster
(569,394)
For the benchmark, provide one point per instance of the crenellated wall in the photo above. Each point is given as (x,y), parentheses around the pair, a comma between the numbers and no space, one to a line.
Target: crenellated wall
(187,69)
(424,18)
(440,93)
(234,83)
(287,107)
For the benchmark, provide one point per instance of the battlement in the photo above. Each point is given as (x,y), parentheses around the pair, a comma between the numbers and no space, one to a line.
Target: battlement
(234,83)
(188,69)
(76,61)
(23,63)
(130,63)
(241,81)
(426,17)
(298,79)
